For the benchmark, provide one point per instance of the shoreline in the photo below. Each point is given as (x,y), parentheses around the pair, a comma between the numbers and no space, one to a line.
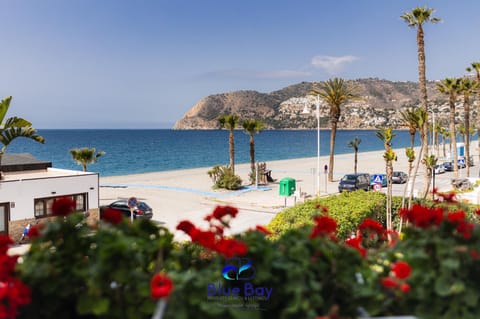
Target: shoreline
(187,194)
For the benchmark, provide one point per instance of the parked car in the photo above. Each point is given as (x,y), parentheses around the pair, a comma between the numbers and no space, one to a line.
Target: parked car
(439,169)
(352,182)
(448,166)
(461,163)
(383,177)
(142,210)
(399,177)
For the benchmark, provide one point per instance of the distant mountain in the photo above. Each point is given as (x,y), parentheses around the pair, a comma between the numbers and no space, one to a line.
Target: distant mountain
(379,106)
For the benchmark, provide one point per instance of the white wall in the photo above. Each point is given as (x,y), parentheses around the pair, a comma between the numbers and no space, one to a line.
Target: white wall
(21,193)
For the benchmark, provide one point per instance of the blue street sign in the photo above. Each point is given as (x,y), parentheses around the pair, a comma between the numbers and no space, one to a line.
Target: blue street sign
(377,179)
(132,202)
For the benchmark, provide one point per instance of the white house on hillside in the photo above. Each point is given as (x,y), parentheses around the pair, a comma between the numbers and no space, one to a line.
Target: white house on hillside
(29,186)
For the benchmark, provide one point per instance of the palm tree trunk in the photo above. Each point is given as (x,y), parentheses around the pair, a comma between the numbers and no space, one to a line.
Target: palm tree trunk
(389,195)
(355,162)
(252,154)
(444,146)
(332,151)
(453,137)
(467,135)
(423,94)
(410,167)
(231,143)
(412,139)
(419,160)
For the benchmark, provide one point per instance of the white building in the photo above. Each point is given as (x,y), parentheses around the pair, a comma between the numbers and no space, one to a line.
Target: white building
(29,186)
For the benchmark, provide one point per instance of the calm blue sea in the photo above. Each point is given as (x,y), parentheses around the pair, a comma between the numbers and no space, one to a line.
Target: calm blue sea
(141,151)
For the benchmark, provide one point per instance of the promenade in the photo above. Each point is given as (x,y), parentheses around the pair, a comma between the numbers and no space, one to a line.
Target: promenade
(188,194)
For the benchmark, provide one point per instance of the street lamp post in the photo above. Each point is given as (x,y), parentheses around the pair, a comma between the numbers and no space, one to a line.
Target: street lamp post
(306,110)
(433,132)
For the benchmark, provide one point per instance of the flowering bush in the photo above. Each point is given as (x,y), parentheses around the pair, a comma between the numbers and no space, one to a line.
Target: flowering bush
(432,272)
(100,271)
(13,292)
(118,269)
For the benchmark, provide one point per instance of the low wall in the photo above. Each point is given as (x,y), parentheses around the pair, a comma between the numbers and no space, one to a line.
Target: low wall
(16,227)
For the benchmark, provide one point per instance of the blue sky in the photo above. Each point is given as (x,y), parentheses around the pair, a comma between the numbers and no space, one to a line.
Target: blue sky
(139,64)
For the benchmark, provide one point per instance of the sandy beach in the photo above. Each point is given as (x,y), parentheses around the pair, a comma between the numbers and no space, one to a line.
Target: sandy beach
(188,194)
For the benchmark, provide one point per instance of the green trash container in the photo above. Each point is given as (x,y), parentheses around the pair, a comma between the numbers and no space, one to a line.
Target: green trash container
(287,186)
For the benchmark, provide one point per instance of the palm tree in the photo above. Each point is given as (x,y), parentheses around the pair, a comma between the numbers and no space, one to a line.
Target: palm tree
(410,153)
(409,118)
(430,161)
(467,88)
(335,92)
(475,66)
(229,122)
(445,135)
(251,127)
(451,87)
(386,135)
(84,156)
(415,19)
(14,127)
(437,129)
(354,144)
(422,118)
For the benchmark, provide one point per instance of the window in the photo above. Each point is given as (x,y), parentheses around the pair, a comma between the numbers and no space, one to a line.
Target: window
(43,206)
(39,208)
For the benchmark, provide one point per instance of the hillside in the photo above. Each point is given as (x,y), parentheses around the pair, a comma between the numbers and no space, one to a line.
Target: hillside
(379,106)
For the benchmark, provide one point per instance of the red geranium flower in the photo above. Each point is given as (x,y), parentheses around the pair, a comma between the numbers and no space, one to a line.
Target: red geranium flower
(401,269)
(405,287)
(186,226)
(205,238)
(63,206)
(422,216)
(456,217)
(325,225)
(34,231)
(373,225)
(356,242)
(222,211)
(263,229)
(161,286)
(389,283)
(5,242)
(113,216)
(231,247)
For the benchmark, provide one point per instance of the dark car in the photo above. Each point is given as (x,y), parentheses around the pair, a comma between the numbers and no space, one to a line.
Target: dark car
(142,210)
(378,179)
(353,182)
(399,177)
(448,166)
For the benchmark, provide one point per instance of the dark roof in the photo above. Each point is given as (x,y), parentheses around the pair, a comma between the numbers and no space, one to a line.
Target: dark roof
(22,162)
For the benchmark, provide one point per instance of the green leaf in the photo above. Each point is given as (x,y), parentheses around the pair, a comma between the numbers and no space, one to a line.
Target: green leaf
(90,304)
(442,286)
(450,263)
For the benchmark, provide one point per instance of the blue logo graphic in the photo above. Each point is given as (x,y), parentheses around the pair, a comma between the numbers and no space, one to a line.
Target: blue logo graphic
(238,269)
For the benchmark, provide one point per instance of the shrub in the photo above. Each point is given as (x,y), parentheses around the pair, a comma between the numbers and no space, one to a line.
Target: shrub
(78,272)
(348,208)
(223,177)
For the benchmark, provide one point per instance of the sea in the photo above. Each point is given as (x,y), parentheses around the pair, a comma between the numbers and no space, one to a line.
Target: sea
(135,151)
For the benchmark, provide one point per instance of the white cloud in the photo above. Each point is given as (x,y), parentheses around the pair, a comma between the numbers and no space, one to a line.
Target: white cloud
(332,64)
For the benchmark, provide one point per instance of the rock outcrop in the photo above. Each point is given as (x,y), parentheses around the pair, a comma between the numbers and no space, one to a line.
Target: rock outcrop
(379,106)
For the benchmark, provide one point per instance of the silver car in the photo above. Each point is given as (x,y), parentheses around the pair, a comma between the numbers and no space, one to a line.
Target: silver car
(399,177)
(439,169)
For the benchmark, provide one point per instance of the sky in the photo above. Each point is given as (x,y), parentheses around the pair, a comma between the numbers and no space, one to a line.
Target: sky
(144,63)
